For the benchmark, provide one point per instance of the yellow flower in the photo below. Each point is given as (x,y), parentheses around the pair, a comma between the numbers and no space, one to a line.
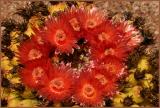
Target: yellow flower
(13,95)
(15,80)
(14,46)
(131,79)
(146,83)
(27,93)
(33,21)
(135,93)
(29,31)
(4,93)
(28,103)
(14,102)
(6,64)
(55,8)
(14,61)
(14,34)
(143,64)
(118,99)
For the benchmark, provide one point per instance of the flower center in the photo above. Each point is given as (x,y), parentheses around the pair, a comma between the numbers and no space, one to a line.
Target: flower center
(91,23)
(109,51)
(111,67)
(103,36)
(57,84)
(101,79)
(37,73)
(40,40)
(34,54)
(60,36)
(88,90)
(75,24)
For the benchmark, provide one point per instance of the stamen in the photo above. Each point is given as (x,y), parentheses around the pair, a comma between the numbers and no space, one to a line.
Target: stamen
(75,24)
(101,79)
(37,73)
(103,36)
(34,54)
(60,36)
(109,51)
(88,91)
(57,84)
(91,24)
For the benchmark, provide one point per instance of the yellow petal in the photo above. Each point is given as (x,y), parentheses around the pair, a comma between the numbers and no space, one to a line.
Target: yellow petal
(14,46)
(147,84)
(27,93)
(135,93)
(14,61)
(55,8)
(143,64)
(28,103)
(15,80)
(14,103)
(5,64)
(14,34)
(131,79)
(29,31)
(13,95)
(4,93)
(118,99)
(33,21)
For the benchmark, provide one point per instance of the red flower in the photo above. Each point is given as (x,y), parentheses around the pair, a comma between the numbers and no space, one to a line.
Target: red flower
(89,19)
(71,17)
(104,33)
(106,80)
(87,91)
(129,35)
(38,37)
(114,67)
(109,46)
(60,84)
(103,50)
(34,75)
(60,35)
(29,50)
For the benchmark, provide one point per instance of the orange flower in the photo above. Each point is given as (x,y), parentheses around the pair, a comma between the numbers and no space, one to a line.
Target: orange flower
(87,91)
(90,19)
(106,80)
(104,33)
(30,50)
(104,50)
(60,35)
(130,36)
(35,73)
(60,84)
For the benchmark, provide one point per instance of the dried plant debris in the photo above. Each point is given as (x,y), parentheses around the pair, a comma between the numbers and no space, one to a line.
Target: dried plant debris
(128,101)
(138,87)
(33,9)
(127,15)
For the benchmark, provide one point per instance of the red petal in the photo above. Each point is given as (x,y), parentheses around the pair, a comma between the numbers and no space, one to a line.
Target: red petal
(60,35)
(39,36)
(92,97)
(114,66)
(34,75)
(105,32)
(129,35)
(71,17)
(60,85)
(90,19)
(103,50)
(29,50)
(106,80)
